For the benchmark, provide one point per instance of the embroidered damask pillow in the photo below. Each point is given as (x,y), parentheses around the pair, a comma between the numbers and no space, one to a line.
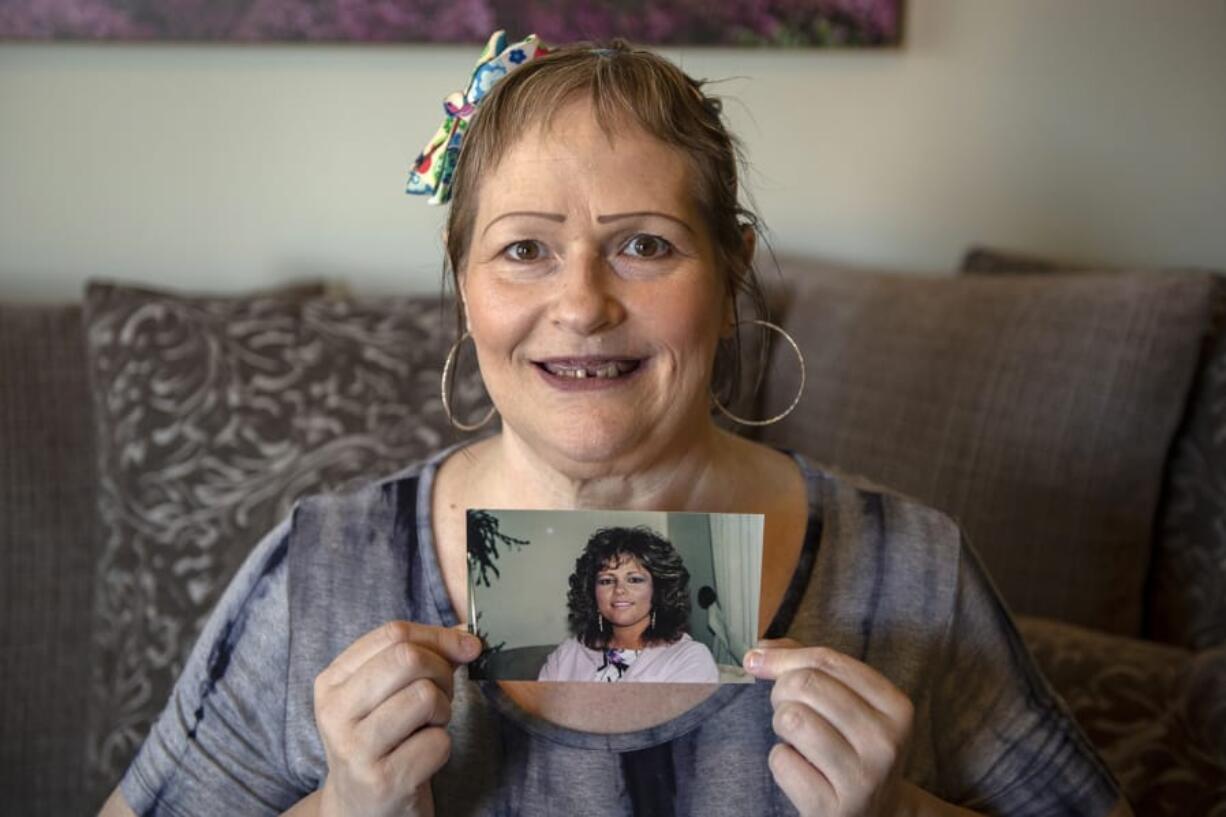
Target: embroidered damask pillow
(1156,713)
(213,415)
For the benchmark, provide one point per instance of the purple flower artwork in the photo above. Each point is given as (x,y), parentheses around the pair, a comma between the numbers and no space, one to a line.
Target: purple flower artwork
(659,22)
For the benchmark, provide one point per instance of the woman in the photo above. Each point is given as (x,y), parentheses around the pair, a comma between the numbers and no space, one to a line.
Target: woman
(629,605)
(598,244)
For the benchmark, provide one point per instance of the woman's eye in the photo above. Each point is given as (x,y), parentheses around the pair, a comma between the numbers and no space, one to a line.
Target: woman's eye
(648,246)
(524,251)
(637,579)
(604,582)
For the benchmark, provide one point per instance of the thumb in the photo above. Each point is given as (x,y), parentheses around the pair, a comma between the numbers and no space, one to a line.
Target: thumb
(770,660)
(464,647)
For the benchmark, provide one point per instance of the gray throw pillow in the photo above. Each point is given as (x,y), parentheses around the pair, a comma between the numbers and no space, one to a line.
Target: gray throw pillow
(48,506)
(213,415)
(1035,409)
(1155,713)
(1186,601)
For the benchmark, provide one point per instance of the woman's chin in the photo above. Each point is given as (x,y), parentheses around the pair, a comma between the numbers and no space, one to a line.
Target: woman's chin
(593,437)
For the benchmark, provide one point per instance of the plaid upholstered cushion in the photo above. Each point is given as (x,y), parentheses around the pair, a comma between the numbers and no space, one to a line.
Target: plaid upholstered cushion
(1037,410)
(47,552)
(1186,601)
(213,415)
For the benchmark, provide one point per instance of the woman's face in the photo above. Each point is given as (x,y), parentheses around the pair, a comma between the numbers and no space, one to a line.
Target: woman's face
(592,294)
(623,592)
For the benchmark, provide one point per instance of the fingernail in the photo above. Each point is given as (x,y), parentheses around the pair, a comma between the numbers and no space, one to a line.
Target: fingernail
(470,644)
(754,659)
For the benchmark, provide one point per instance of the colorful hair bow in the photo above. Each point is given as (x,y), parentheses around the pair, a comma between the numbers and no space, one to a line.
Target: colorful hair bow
(435,165)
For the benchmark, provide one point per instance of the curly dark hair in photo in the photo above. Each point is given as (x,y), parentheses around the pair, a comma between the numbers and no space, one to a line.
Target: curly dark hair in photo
(609,547)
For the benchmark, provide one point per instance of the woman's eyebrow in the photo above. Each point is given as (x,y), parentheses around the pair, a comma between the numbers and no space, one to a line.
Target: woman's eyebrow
(639,214)
(558,217)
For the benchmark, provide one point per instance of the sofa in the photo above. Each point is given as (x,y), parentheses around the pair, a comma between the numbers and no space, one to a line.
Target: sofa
(1073,420)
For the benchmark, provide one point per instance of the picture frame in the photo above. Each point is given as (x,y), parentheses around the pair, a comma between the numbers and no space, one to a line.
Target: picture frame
(774,23)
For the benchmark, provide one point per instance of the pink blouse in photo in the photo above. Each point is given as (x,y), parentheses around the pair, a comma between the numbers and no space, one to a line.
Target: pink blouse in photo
(683,661)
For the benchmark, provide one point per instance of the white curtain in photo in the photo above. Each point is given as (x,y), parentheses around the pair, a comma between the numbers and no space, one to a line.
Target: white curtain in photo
(736,547)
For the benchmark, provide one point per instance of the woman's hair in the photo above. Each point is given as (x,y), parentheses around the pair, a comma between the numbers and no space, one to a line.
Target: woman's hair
(670,584)
(627,86)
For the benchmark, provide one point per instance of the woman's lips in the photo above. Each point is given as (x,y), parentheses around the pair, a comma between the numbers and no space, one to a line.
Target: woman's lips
(589,373)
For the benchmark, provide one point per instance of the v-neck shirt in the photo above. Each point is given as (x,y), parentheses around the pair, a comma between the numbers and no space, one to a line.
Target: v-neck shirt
(880,577)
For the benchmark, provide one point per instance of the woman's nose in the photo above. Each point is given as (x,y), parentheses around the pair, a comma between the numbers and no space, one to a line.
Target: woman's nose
(586,302)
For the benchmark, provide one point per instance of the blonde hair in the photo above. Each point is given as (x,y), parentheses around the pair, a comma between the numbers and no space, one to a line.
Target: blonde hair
(626,86)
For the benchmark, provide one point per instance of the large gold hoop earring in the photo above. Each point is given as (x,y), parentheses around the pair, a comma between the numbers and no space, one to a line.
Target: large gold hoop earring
(448,364)
(799,393)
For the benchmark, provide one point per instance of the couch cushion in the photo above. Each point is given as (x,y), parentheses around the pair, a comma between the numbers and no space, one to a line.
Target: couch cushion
(1187,583)
(1186,601)
(989,261)
(1156,713)
(214,414)
(47,553)
(1037,410)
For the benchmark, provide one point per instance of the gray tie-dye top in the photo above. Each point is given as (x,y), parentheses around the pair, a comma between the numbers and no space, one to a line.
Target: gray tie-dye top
(881,578)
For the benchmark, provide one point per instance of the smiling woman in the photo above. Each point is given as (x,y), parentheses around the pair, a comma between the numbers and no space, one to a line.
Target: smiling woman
(629,606)
(599,248)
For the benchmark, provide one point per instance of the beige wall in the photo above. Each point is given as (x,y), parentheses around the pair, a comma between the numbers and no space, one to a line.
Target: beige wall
(1094,130)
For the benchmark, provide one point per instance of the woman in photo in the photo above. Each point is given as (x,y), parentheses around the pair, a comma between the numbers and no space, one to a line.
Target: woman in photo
(603,258)
(629,607)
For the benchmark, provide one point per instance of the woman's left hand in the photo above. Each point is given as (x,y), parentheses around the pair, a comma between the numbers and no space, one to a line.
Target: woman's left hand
(845,730)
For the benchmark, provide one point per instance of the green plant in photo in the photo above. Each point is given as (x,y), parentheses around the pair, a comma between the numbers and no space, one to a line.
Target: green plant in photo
(483,540)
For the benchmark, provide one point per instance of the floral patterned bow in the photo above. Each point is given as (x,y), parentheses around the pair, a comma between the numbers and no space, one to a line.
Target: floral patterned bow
(435,165)
(617,659)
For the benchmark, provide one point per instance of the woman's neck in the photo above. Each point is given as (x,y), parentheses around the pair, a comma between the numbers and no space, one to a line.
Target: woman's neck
(630,637)
(681,476)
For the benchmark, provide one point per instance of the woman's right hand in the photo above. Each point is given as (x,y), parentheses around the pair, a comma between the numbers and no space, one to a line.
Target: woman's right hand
(382,709)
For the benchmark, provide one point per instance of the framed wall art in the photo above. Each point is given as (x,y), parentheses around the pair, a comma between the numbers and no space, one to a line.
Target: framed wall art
(777,23)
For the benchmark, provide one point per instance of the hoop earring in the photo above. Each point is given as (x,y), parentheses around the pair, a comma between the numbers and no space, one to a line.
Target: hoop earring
(653,619)
(795,401)
(600,624)
(448,363)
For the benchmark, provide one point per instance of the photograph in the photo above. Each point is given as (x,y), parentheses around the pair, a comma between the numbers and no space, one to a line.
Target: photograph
(613,596)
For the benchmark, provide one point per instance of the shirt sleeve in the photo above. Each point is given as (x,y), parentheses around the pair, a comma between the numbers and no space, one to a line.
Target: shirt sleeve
(552,669)
(1006,742)
(218,747)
